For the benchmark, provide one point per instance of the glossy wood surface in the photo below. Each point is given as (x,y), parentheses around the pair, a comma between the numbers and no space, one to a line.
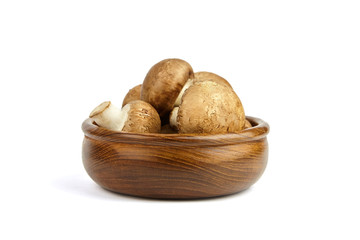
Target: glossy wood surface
(175,166)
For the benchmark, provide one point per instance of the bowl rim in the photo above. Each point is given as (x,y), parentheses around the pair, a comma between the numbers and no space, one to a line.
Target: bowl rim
(259,130)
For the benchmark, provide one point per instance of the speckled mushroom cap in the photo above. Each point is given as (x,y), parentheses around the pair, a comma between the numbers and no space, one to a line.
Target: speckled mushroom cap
(210,107)
(164,82)
(201,76)
(141,118)
(132,95)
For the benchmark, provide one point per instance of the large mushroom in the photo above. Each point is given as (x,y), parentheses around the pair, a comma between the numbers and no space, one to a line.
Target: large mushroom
(164,82)
(132,95)
(208,107)
(136,116)
(199,77)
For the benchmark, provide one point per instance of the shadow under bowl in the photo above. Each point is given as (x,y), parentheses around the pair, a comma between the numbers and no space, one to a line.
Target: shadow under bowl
(175,166)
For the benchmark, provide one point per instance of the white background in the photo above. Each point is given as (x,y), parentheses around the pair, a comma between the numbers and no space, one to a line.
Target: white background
(295,64)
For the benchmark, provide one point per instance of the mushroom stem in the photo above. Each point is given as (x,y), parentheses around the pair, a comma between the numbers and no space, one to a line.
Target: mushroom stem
(109,116)
(186,86)
(173,118)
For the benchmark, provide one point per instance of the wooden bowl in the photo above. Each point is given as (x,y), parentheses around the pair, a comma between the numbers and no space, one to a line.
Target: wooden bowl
(175,166)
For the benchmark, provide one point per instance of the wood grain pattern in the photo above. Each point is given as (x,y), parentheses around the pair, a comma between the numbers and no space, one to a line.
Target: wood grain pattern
(175,166)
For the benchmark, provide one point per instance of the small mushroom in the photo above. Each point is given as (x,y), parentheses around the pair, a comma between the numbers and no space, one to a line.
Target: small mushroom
(199,77)
(132,95)
(136,116)
(208,107)
(164,82)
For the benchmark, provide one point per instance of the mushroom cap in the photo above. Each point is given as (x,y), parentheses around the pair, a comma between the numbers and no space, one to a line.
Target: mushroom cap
(201,76)
(141,117)
(210,107)
(164,82)
(132,95)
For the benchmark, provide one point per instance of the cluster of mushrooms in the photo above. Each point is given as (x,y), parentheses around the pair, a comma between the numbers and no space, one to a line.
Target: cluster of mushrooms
(173,99)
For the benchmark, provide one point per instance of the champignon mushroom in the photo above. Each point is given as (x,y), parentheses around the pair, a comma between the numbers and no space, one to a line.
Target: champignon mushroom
(164,82)
(132,95)
(136,116)
(208,107)
(199,77)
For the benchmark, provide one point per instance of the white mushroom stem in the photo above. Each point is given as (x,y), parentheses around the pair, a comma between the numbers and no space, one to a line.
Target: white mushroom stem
(109,116)
(173,118)
(186,86)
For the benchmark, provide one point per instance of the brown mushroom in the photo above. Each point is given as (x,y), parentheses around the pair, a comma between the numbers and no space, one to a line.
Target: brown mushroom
(132,95)
(136,116)
(164,82)
(208,107)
